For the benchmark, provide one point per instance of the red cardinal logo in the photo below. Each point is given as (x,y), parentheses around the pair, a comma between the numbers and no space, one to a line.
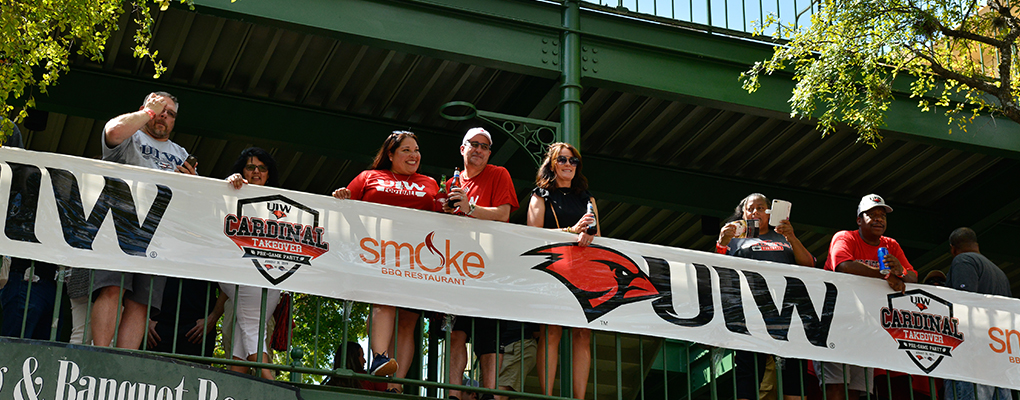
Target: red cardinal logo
(601,278)
(921,306)
(279,214)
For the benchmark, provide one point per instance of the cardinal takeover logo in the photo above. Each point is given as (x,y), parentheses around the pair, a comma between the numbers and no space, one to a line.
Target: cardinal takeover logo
(923,325)
(278,234)
(603,279)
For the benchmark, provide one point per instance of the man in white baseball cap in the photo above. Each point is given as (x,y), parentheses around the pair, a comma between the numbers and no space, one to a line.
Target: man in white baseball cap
(484,192)
(856,252)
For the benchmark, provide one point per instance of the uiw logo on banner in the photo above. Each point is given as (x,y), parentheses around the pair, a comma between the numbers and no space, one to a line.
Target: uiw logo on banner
(278,234)
(603,279)
(79,228)
(923,326)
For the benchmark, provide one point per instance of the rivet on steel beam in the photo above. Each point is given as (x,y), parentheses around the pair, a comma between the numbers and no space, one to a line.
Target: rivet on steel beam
(545,51)
(584,58)
(584,68)
(544,40)
(556,62)
(545,61)
(595,70)
(595,60)
(555,52)
(594,50)
(584,48)
(556,42)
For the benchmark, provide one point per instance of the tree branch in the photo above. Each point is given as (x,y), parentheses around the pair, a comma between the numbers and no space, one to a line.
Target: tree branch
(956,76)
(956,33)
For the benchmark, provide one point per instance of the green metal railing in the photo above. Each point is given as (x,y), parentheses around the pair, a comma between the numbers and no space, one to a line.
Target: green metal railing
(735,15)
(623,366)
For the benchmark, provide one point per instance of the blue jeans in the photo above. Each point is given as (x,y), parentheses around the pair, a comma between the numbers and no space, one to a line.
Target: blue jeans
(957,390)
(40,308)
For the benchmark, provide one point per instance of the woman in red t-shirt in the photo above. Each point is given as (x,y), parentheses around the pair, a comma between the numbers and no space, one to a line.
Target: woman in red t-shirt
(393,179)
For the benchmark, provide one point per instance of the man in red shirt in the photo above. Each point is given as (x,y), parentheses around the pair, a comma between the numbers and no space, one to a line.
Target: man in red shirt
(856,252)
(484,192)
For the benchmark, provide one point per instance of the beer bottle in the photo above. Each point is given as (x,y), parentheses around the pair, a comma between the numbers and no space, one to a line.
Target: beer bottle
(455,183)
(441,196)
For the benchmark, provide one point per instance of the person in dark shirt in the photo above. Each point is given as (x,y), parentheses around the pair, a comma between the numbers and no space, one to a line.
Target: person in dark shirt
(14,295)
(779,245)
(190,312)
(973,272)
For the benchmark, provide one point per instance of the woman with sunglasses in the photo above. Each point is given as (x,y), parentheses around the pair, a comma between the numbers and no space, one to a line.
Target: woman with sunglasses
(397,161)
(560,201)
(778,245)
(254,166)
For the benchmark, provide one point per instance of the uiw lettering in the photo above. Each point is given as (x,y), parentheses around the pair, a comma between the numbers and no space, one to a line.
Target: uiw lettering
(79,229)
(603,279)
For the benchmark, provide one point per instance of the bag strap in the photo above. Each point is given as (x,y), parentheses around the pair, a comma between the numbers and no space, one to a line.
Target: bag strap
(598,221)
(551,208)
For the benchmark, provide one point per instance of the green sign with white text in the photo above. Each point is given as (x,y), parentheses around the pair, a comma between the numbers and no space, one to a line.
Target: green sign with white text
(36,370)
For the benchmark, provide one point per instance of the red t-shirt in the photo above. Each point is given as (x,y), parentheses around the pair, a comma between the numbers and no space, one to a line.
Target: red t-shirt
(384,187)
(849,246)
(491,188)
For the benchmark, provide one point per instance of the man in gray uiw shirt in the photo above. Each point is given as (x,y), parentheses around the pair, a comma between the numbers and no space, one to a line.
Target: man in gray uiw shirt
(139,138)
(973,272)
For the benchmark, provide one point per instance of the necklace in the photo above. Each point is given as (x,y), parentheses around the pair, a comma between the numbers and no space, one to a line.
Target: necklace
(394,175)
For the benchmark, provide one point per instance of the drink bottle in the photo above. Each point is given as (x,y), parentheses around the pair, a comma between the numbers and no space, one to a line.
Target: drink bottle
(592,229)
(455,183)
(882,252)
(441,196)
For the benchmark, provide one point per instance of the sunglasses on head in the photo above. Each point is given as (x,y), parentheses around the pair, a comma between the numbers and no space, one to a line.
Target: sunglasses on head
(475,145)
(571,160)
(252,167)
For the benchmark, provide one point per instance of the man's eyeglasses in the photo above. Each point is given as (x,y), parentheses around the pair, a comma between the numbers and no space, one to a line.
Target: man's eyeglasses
(571,160)
(477,145)
(252,167)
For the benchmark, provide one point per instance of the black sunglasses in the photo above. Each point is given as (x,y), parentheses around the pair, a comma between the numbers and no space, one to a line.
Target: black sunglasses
(252,167)
(475,145)
(571,160)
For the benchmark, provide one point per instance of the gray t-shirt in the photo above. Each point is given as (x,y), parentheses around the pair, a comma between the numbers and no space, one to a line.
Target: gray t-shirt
(973,272)
(144,151)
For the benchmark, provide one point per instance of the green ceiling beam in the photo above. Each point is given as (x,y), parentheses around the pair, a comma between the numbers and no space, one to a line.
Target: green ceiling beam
(516,36)
(704,68)
(622,53)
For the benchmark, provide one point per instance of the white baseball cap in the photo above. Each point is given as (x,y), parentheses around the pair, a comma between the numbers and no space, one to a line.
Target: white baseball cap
(871,201)
(475,132)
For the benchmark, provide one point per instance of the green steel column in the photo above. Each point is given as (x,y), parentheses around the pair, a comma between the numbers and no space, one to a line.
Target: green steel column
(570,78)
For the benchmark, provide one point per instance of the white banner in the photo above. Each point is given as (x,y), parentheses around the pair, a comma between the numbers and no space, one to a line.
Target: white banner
(94,214)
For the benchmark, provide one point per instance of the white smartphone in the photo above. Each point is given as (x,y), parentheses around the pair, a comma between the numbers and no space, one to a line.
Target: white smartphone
(780,211)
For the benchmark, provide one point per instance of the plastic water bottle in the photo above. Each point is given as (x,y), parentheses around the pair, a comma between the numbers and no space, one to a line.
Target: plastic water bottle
(882,268)
(592,228)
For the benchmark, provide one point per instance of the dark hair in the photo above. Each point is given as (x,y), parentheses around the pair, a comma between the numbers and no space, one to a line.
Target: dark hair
(546,177)
(962,236)
(738,212)
(272,178)
(389,146)
(164,94)
(353,363)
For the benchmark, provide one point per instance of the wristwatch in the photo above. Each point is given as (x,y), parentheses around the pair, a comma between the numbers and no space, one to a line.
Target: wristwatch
(471,209)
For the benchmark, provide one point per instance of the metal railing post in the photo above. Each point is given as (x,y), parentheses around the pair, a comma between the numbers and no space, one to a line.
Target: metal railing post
(570,78)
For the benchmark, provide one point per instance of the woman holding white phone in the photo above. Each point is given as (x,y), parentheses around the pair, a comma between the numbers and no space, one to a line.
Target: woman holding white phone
(778,245)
